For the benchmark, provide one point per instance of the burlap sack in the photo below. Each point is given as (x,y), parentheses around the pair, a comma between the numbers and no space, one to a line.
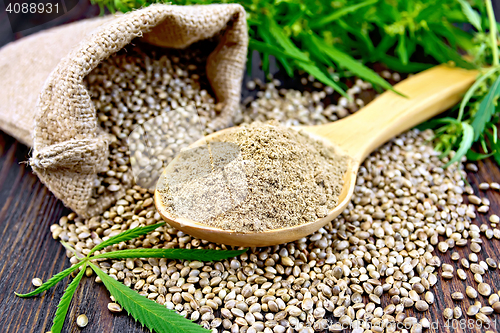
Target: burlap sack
(44,103)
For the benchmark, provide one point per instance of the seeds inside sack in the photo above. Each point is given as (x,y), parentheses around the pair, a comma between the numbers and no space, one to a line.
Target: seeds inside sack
(150,87)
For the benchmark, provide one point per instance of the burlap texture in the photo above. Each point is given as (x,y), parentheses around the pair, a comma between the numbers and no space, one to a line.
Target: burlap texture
(24,67)
(69,146)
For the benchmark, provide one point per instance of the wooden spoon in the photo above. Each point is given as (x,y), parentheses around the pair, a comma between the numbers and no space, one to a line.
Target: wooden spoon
(429,93)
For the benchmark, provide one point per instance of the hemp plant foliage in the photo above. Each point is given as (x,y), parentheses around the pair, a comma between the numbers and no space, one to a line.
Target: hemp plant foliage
(150,314)
(334,39)
(475,119)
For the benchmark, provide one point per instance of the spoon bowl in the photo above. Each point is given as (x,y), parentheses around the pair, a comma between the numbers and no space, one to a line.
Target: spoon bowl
(427,94)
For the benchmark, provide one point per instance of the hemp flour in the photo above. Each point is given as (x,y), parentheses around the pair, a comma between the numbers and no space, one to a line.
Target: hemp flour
(255,178)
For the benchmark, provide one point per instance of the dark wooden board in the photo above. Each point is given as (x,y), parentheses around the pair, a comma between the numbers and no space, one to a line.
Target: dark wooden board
(27,250)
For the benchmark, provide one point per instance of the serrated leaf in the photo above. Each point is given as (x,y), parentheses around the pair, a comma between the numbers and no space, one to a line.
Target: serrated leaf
(396,65)
(268,41)
(483,144)
(493,140)
(471,15)
(290,20)
(150,314)
(322,77)
(121,6)
(273,50)
(495,143)
(446,152)
(62,307)
(486,109)
(470,92)
(401,49)
(180,254)
(433,123)
(442,31)
(464,39)
(382,48)
(265,63)
(457,16)
(125,236)
(465,143)
(351,64)
(314,51)
(277,33)
(341,12)
(52,281)
(287,66)
(442,52)
(473,156)
(365,48)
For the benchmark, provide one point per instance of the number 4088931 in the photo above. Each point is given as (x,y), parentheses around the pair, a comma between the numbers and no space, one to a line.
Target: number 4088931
(470,324)
(32,8)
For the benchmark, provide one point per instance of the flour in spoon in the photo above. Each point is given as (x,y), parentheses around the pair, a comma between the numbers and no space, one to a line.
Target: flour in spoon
(255,178)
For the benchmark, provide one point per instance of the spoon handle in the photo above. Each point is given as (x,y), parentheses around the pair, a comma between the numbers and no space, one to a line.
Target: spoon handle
(429,93)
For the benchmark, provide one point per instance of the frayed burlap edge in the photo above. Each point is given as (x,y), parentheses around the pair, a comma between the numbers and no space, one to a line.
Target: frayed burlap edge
(69,148)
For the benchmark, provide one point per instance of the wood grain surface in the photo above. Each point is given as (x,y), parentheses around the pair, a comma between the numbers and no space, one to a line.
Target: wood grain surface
(27,250)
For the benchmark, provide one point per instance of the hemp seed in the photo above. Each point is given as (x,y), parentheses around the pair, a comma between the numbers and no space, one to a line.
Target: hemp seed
(457,312)
(448,313)
(114,307)
(471,292)
(484,289)
(82,320)
(421,306)
(473,310)
(37,282)
(458,296)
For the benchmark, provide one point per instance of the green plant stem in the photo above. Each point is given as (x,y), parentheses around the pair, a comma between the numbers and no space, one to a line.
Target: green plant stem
(468,95)
(147,312)
(493,31)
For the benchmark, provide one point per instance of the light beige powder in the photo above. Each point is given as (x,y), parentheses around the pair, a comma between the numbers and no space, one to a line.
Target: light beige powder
(255,178)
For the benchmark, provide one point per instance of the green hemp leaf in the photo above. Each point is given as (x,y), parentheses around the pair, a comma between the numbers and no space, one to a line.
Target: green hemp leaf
(150,314)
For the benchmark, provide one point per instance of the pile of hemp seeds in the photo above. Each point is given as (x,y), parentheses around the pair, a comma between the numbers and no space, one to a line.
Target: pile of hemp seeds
(366,270)
(141,84)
